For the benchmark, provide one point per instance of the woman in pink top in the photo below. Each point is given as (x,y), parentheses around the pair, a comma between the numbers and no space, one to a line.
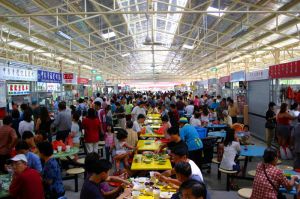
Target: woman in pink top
(196,101)
(109,141)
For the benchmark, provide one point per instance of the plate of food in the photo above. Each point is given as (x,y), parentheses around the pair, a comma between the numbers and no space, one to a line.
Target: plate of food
(166,195)
(141,179)
(147,161)
(285,167)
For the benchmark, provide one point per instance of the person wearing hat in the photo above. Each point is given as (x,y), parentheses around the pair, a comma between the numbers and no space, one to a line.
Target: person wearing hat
(190,136)
(226,118)
(26,182)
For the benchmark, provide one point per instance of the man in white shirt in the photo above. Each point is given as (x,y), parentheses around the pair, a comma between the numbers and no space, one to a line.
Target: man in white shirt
(227,119)
(139,109)
(190,108)
(137,125)
(98,98)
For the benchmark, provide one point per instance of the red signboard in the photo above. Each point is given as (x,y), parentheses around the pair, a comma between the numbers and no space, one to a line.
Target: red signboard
(82,80)
(224,79)
(68,76)
(291,69)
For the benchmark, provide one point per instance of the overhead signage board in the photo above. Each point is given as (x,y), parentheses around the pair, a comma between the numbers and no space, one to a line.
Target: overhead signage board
(291,69)
(237,76)
(257,75)
(49,77)
(11,73)
(69,78)
(18,89)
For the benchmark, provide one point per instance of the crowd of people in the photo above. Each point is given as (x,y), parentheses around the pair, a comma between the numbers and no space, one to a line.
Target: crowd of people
(27,134)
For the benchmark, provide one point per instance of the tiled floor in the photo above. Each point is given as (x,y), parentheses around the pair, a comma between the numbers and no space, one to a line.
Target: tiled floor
(216,187)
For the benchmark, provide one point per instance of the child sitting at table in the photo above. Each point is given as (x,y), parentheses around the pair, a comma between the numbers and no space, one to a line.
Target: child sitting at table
(245,135)
(121,152)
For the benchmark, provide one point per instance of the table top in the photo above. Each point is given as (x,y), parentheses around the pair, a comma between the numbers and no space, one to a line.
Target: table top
(217,134)
(153,121)
(148,145)
(216,126)
(6,180)
(73,151)
(152,135)
(151,166)
(252,151)
(155,126)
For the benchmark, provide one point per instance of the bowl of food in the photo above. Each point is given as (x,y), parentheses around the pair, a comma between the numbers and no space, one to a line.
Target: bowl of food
(161,162)
(147,161)
(148,154)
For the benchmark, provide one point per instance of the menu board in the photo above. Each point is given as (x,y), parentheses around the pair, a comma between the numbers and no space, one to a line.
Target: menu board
(18,89)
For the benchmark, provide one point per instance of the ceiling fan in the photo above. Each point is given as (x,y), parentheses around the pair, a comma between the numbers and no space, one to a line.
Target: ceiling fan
(149,40)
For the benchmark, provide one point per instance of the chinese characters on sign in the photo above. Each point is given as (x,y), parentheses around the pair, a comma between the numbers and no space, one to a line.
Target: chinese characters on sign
(49,77)
(82,80)
(257,75)
(69,78)
(9,73)
(291,69)
(237,76)
(18,89)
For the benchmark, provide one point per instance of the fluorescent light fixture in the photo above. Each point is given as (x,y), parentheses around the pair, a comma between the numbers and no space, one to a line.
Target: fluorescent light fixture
(39,51)
(70,61)
(108,35)
(125,55)
(215,10)
(64,35)
(29,48)
(187,46)
(59,58)
(87,67)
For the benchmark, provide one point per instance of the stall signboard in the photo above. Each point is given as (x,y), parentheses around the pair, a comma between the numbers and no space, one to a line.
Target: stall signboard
(69,78)
(291,69)
(223,80)
(18,89)
(49,77)
(10,73)
(2,94)
(237,76)
(212,81)
(257,75)
(81,80)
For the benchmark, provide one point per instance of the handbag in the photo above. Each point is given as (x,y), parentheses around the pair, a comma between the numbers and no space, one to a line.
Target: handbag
(279,195)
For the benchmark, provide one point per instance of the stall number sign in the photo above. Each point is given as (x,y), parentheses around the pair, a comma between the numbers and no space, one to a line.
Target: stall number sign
(69,78)
(18,89)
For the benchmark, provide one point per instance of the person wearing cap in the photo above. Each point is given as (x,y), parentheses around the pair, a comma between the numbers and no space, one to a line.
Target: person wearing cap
(137,110)
(8,140)
(33,161)
(226,118)
(190,136)
(26,182)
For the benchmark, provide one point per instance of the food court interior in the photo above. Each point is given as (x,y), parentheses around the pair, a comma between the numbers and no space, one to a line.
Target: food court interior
(149,99)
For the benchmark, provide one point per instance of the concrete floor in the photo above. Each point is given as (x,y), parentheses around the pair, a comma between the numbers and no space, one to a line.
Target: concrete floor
(217,188)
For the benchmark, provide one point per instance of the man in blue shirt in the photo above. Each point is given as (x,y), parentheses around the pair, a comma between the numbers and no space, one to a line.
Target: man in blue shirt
(189,134)
(33,161)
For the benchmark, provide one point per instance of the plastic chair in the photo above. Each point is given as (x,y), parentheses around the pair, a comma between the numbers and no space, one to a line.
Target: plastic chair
(237,127)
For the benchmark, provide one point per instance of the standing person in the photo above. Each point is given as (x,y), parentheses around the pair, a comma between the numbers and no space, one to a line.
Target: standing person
(98,99)
(269,178)
(132,138)
(8,140)
(190,109)
(196,102)
(139,109)
(233,110)
(27,124)
(15,114)
(173,115)
(270,123)
(26,182)
(180,106)
(222,107)
(35,107)
(128,108)
(189,134)
(283,130)
(294,113)
(109,141)
(53,185)
(75,130)
(120,113)
(62,122)
(92,128)
(43,124)
(295,139)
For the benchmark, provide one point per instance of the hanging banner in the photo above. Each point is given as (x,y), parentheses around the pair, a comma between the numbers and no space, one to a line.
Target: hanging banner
(237,76)
(82,80)
(257,75)
(10,73)
(224,79)
(18,89)
(2,94)
(49,77)
(69,78)
(291,69)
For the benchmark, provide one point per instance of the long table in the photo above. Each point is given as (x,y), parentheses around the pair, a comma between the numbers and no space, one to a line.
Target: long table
(142,166)
(148,145)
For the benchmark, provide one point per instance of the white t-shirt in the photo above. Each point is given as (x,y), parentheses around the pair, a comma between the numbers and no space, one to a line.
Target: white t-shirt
(189,109)
(75,129)
(99,99)
(195,121)
(136,126)
(136,111)
(195,170)
(228,120)
(26,126)
(229,154)
(294,114)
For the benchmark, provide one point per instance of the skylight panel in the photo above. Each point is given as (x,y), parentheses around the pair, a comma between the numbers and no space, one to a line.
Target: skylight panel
(212,9)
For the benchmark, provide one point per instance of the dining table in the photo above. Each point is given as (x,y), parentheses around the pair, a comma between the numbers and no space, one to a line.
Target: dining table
(216,126)
(6,180)
(251,151)
(220,134)
(148,145)
(149,166)
(65,154)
